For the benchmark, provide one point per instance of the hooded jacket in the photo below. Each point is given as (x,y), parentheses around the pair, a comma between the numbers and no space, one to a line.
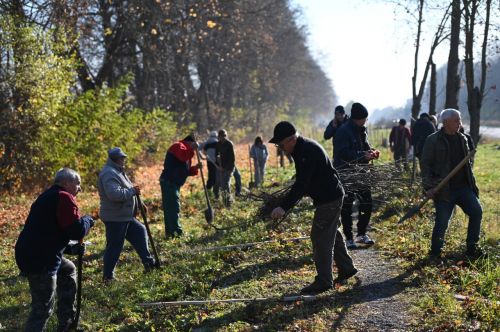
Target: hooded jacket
(116,193)
(177,165)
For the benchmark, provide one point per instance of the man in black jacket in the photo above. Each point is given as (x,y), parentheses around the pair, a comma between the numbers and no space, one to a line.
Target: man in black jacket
(316,177)
(339,119)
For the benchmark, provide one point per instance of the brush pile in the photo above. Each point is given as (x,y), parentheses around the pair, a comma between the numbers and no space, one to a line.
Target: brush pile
(385,180)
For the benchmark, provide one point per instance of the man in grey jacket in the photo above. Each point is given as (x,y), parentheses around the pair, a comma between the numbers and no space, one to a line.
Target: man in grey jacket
(118,206)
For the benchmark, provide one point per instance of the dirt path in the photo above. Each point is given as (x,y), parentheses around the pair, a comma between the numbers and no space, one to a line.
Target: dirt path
(380,301)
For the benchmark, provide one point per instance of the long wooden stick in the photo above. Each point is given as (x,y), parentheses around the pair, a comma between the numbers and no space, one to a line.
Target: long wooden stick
(148,231)
(79,278)
(441,184)
(209,215)
(248,245)
(292,298)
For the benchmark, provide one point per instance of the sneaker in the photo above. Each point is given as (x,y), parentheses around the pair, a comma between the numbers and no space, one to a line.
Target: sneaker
(365,239)
(342,277)
(315,288)
(350,244)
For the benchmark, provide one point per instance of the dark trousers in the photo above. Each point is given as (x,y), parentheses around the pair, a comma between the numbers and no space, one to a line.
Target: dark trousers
(401,156)
(364,212)
(325,237)
(116,233)
(237,181)
(44,288)
(212,175)
(170,195)
(469,202)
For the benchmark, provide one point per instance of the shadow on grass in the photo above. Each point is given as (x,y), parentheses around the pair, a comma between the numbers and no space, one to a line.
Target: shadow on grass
(256,271)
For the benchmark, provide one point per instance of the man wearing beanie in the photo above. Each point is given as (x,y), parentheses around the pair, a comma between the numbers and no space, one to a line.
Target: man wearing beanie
(352,147)
(338,120)
(316,178)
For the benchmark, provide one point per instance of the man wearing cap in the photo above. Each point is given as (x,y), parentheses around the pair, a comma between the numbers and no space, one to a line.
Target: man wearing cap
(399,142)
(352,147)
(118,206)
(226,163)
(316,178)
(176,168)
(339,119)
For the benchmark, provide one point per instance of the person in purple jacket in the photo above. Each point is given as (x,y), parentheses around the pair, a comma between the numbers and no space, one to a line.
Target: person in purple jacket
(52,222)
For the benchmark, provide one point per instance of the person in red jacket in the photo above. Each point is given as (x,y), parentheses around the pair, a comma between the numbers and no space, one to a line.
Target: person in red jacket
(52,222)
(399,141)
(176,168)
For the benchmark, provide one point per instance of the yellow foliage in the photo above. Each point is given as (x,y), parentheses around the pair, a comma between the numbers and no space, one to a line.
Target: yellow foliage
(211,24)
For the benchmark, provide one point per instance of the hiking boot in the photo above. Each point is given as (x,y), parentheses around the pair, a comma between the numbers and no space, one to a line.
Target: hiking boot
(109,281)
(148,267)
(435,258)
(475,252)
(350,244)
(315,288)
(343,277)
(365,239)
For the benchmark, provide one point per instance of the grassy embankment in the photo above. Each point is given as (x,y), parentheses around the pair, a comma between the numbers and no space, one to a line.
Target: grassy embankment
(271,270)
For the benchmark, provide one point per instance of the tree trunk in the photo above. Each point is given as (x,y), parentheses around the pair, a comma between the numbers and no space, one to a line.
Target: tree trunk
(452,77)
(432,88)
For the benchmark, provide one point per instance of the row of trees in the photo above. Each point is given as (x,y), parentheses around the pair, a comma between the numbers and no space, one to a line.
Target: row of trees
(78,76)
(472,19)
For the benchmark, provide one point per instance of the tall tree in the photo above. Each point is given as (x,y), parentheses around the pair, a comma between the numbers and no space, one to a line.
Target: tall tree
(452,77)
(475,93)
(439,36)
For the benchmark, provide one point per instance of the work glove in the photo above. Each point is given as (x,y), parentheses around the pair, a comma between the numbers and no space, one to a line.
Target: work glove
(87,219)
(75,249)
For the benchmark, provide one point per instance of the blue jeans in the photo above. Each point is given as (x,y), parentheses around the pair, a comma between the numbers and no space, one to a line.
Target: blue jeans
(116,233)
(469,202)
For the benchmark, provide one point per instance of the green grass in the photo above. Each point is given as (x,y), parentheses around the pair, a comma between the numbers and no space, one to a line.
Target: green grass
(271,270)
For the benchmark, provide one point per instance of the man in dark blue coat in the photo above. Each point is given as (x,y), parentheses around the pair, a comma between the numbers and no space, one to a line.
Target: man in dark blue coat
(316,178)
(53,221)
(422,128)
(352,147)
(339,119)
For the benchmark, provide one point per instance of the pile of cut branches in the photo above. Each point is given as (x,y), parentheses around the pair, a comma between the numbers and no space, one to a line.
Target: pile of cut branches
(384,180)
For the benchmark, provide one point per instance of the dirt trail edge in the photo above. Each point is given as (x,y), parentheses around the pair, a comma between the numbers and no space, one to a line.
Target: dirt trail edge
(381,301)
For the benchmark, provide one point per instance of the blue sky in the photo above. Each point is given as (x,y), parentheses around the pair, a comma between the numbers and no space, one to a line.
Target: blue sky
(364,48)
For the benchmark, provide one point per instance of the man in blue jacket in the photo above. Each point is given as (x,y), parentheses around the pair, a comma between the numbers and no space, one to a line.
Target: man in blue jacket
(316,178)
(352,147)
(52,222)
(339,119)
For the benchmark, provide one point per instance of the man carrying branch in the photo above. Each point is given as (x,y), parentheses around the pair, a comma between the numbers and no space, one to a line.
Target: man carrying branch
(442,151)
(316,177)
